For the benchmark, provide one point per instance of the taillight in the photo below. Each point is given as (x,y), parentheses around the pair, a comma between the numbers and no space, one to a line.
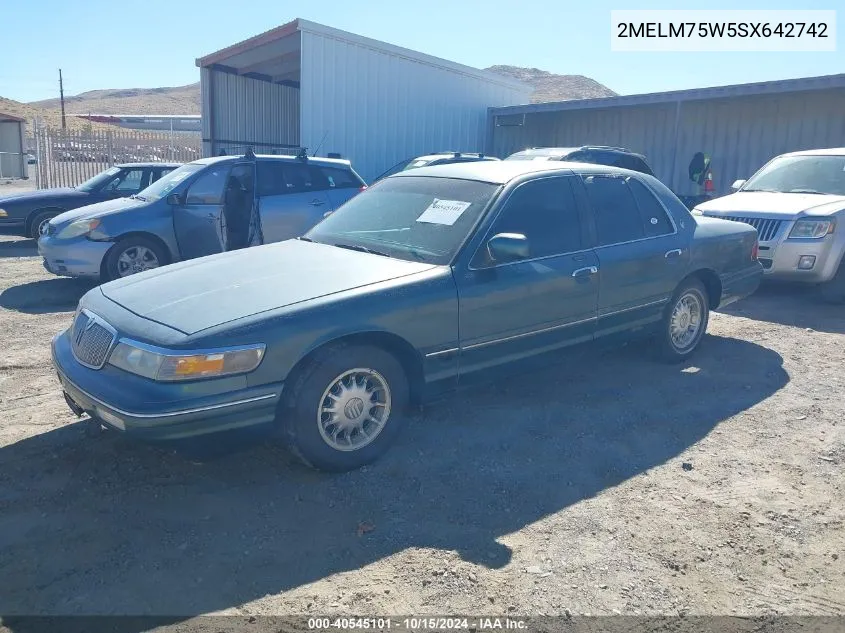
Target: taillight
(754,250)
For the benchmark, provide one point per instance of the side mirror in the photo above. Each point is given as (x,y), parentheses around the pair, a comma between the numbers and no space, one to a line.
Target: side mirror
(174,199)
(507,247)
(737,184)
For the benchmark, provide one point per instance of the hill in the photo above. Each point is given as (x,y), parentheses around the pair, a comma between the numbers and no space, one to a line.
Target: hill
(187,100)
(178,100)
(551,87)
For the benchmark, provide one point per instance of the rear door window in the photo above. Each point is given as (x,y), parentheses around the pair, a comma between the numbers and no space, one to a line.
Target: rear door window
(652,214)
(617,216)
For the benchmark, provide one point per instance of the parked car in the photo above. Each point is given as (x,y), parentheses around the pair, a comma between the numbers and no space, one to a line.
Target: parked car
(796,202)
(604,155)
(31,160)
(28,213)
(419,282)
(437,158)
(596,154)
(204,207)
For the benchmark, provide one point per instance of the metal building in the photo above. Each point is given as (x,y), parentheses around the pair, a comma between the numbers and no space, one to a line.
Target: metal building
(308,85)
(740,127)
(12,156)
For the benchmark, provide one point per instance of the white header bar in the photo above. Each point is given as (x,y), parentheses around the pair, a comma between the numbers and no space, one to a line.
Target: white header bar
(723,31)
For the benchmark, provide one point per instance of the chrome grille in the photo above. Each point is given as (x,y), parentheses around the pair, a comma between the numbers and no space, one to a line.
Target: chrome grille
(91,339)
(767,229)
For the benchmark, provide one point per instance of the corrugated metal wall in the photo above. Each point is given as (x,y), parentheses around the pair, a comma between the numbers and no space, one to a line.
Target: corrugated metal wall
(11,164)
(246,111)
(377,108)
(739,133)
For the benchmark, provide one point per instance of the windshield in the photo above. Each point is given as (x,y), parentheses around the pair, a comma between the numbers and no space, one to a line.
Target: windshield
(801,174)
(409,217)
(164,185)
(99,180)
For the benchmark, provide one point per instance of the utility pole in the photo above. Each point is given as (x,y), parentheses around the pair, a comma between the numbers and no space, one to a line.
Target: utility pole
(62,98)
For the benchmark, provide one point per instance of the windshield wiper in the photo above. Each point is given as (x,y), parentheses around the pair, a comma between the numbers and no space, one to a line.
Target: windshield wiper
(305,239)
(766,190)
(819,193)
(135,196)
(362,249)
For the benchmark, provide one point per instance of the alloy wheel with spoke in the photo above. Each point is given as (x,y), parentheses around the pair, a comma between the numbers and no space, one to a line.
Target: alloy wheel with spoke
(685,322)
(354,409)
(136,259)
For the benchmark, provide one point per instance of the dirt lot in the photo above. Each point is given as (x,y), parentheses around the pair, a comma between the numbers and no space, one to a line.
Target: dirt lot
(606,484)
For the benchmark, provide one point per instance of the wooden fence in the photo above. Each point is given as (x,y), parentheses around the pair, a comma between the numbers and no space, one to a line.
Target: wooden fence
(67,158)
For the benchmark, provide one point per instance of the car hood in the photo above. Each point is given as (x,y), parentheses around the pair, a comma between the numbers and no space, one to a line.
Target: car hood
(42,195)
(97,210)
(769,204)
(202,293)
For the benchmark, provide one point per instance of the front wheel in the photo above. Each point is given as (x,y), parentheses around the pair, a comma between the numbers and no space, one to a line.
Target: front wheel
(833,291)
(38,223)
(345,407)
(684,321)
(133,255)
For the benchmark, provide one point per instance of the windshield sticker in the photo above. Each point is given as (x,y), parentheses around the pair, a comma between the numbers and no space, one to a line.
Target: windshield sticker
(443,212)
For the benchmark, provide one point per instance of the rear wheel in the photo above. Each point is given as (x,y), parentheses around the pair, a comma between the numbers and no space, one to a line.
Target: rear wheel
(133,255)
(684,321)
(345,407)
(833,291)
(39,222)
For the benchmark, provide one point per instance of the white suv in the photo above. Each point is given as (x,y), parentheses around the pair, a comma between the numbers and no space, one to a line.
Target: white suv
(796,202)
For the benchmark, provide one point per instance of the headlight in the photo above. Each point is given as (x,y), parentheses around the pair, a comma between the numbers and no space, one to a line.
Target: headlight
(165,366)
(77,228)
(3,213)
(811,228)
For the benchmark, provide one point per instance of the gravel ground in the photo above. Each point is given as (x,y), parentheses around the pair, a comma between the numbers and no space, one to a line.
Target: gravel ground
(608,483)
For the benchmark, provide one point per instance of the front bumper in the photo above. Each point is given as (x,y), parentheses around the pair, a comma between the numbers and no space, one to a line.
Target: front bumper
(162,411)
(781,257)
(76,257)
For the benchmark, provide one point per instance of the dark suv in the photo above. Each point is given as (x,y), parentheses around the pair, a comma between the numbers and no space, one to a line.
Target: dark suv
(595,154)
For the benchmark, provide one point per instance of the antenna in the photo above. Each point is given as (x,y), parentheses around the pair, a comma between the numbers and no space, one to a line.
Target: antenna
(321,143)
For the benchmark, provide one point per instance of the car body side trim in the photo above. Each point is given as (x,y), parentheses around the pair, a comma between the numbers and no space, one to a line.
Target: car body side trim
(637,307)
(524,334)
(442,352)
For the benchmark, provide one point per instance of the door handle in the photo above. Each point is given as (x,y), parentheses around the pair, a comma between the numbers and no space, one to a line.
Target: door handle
(674,253)
(589,270)
(316,203)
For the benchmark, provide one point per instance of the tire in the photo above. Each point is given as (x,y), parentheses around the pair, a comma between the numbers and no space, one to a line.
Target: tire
(833,291)
(133,255)
(689,299)
(33,229)
(307,426)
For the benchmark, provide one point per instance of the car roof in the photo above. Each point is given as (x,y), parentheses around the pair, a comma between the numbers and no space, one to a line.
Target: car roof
(334,162)
(503,171)
(149,164)
(829,151)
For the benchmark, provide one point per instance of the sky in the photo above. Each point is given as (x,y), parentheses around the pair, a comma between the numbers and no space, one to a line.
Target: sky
(103,44)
